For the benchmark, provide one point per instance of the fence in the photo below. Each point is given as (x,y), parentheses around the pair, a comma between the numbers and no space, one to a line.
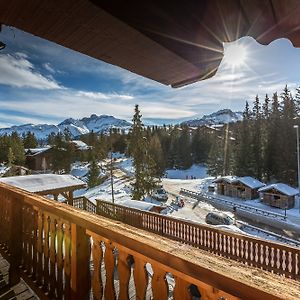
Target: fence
(207,198)
(66,253)
(85,204)
(270,256)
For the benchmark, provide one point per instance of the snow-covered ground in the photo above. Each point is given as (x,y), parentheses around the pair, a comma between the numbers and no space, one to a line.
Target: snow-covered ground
(195,171)
(193,210)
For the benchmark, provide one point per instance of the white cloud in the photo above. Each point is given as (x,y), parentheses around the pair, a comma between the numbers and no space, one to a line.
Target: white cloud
(103,96)
(18,71)
(49,68)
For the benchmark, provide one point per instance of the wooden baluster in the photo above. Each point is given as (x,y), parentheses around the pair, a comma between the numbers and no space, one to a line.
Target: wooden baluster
(30,220)
(140,278)
(40,233)
(67,260)
(24,238)
(15,242)
(59,258)
(52,278)
(34,244)
(124,269)
(46,253)
(80,260)
(181,290)
(109,259)
(97,255)
(159,283)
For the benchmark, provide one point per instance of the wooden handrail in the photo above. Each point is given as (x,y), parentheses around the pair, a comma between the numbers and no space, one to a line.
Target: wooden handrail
(67,253)
(270,256)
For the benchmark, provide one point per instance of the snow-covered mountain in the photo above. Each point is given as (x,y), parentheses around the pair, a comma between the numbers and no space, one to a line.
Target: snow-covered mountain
(223,116)
(85,125)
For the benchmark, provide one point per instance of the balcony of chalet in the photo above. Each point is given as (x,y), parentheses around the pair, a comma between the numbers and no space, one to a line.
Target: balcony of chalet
(53,250)
(63,252)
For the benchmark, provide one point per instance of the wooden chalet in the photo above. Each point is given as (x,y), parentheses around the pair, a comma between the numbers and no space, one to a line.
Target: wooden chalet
(66,253)
(47,184)
(224,185)
(39,159)
(278,195)
(239,187)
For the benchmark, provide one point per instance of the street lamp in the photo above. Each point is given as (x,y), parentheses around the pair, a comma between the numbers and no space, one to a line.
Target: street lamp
(298,161)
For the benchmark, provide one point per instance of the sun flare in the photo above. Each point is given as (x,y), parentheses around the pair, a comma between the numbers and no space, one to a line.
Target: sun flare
(235,55)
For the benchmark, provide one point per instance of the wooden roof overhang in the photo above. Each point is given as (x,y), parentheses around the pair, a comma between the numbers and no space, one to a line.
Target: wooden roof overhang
(172,42)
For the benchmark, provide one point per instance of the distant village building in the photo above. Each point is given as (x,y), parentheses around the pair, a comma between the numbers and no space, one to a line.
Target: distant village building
(224,185)
(80,145)
(239,187)
(278,195)
(39,159)
(14,170)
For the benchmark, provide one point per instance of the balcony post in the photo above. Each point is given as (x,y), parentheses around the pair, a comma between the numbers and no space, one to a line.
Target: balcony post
(80,259)
(15,239)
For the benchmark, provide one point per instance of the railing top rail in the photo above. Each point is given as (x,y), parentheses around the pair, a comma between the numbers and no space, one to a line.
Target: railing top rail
(196,264)
(207,227)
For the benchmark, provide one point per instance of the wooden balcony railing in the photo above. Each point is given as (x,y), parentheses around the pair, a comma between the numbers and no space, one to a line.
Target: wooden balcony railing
(270,256)
(66,253)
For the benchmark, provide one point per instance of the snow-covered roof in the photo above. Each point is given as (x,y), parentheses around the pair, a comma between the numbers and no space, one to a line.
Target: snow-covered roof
(138,204)
(35,151)
(250,182)
(228,179)
(44,182)
(80,145)
(3,170)
(281,188)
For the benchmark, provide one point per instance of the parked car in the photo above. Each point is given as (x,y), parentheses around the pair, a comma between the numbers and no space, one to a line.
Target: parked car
(160,194)
(218,219)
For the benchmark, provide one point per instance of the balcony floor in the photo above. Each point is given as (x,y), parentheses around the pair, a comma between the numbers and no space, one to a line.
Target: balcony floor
(18,291)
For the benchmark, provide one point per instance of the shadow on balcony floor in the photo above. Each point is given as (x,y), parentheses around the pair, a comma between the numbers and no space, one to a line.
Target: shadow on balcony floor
(18,291)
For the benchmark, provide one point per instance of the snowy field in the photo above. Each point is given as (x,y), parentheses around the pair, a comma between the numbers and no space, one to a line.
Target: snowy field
(176,179)
(195,171)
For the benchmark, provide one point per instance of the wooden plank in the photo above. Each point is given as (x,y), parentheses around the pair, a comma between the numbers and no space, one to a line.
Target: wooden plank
(124,269)
(181,290)
(140,278)
(59,258)
(80,258)
(15,242)
(109,259)
(159,283)
(97,255)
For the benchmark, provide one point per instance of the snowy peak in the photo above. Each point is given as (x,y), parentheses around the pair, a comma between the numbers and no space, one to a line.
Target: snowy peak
(77,127)
(223,116)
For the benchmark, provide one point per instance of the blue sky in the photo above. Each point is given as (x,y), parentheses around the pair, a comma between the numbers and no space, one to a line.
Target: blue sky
(41,82)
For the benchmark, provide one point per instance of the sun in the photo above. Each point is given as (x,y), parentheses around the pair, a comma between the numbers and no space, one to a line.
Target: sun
(235,55)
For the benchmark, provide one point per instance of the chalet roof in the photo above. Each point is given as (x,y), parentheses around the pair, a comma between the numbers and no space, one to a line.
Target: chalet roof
(228,179)
(172,42)
(139,204)
(281,188)
(250,182)
(36,151)
(80,145)
(44,183)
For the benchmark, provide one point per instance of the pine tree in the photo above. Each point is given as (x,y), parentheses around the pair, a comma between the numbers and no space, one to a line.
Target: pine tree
(93,175)
(142,161)
(257,139)
(137,151)
(243,153)
(30,140)
(215,161)
(10,157)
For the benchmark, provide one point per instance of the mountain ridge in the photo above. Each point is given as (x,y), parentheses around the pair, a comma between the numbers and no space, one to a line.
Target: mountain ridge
(77,127)
(223,116)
